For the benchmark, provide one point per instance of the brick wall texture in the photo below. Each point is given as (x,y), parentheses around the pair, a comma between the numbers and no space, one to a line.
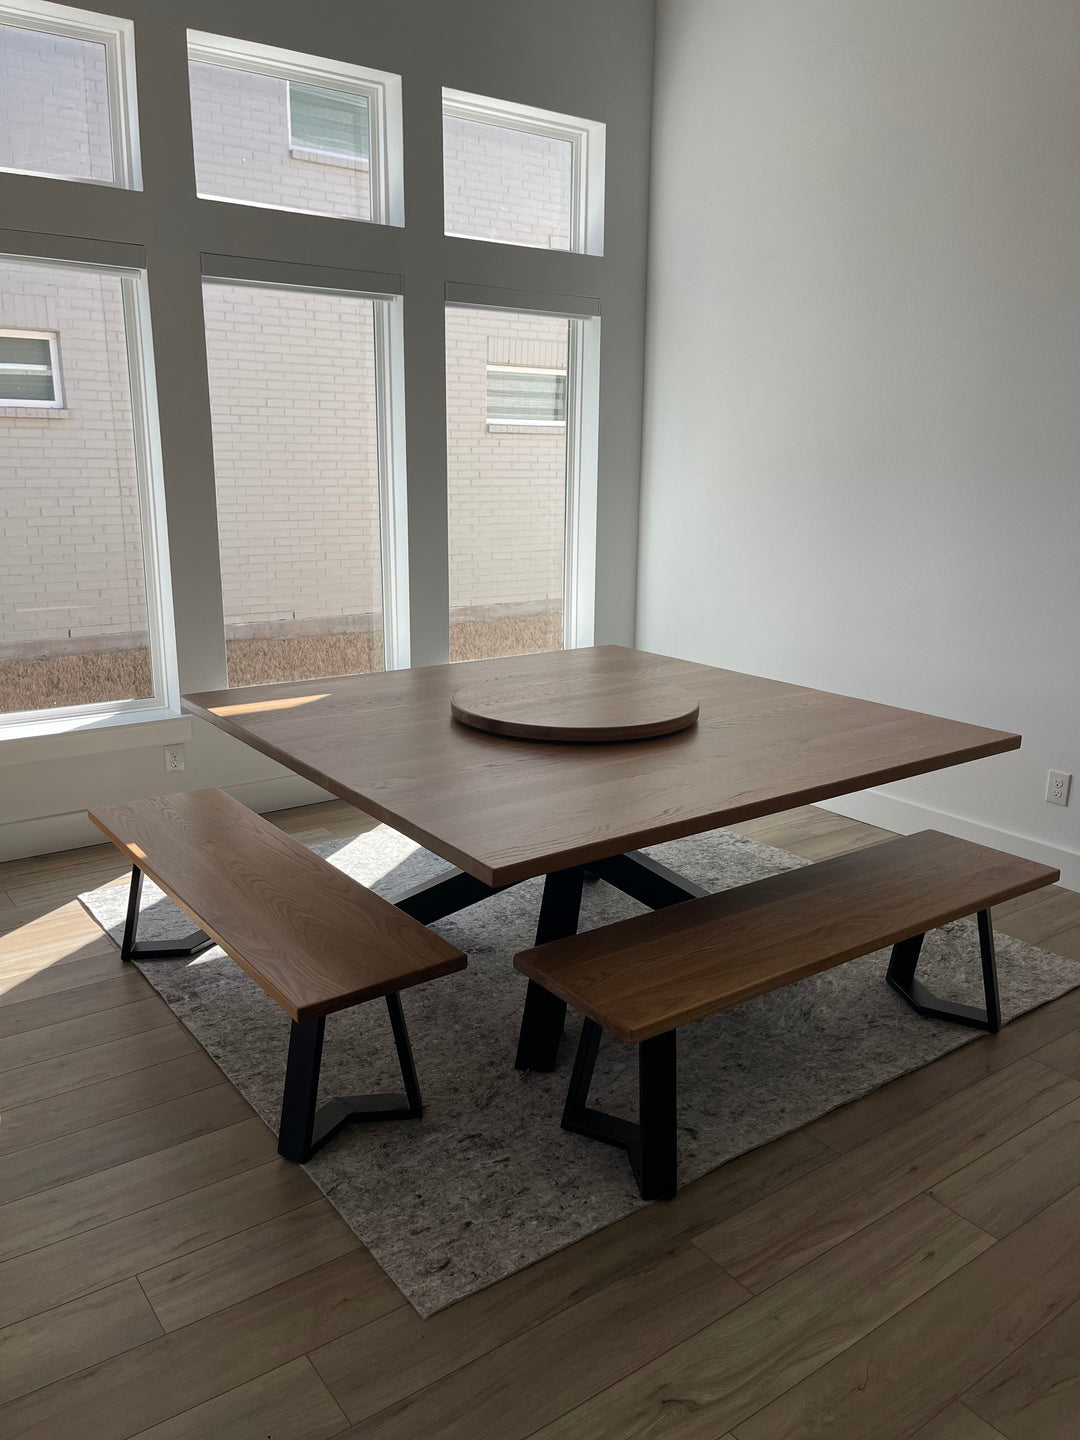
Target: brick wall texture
(292,381)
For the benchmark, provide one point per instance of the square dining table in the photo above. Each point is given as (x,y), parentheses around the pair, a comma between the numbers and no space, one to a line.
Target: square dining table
(501,810)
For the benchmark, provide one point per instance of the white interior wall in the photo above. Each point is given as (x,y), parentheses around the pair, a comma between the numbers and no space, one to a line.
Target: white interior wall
(592,60)
(862,432)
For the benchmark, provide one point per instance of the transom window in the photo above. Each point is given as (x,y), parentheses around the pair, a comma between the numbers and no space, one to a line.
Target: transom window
(29,369)
(260,116)
(329,122)
(525,395)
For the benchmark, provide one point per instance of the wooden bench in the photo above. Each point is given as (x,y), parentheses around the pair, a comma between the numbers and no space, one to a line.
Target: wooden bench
(642,979)
(315,940)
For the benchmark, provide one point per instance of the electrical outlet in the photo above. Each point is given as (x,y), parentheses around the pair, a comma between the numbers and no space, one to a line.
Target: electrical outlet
(174,757)
(1058,785)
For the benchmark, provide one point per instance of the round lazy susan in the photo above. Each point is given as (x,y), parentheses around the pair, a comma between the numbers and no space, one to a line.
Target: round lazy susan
(595,711)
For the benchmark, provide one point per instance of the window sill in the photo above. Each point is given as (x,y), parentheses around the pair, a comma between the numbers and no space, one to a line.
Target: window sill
(33,412)
(327,157)
(37,741)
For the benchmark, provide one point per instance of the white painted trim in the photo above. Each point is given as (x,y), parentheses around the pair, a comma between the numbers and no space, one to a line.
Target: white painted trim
(393,480)
(587,140)
(874,807)
(380,88)
(582,468)
(117,35)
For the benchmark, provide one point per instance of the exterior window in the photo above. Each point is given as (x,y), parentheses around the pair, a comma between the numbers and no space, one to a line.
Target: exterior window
(265,122)
(329,122)
(67,94)
(300,463)
(520,396)
(82,616)
(522,176)
(29,369)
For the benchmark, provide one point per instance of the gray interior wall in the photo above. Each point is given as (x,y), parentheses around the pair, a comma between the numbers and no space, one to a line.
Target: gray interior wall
(862,429)
(593,60)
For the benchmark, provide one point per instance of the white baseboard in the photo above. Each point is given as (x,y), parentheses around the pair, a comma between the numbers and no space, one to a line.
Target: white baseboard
(905,817)
(45,834)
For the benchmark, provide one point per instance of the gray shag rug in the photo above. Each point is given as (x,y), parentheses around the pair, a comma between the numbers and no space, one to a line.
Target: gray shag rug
(488,1182)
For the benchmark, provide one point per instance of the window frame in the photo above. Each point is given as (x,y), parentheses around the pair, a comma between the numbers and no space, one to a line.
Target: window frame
(582,428)
(53,337)
(164,702)
(380,88)
(389,413)
(117,35)
(587,141)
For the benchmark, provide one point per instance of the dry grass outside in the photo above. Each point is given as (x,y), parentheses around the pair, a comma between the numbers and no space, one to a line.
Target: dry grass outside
(303,657)
(506,635)
(75,680)
(125,674)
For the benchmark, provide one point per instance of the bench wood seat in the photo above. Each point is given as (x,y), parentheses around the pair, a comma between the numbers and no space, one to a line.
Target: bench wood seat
(656,972)
(643,979)
(315,940)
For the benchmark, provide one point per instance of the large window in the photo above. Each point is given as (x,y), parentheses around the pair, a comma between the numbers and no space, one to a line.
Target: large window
(303,479)
(507,481)
(294,132)
(82,614)
(521,175)
(67,94)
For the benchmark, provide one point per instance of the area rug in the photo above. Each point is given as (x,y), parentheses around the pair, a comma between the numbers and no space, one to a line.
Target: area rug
(488,1182)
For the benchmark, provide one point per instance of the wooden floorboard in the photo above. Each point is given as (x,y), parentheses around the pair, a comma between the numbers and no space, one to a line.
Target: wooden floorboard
(906,1268)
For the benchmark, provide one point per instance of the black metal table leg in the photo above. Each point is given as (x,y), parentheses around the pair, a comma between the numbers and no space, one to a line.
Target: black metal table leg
(448,892)
(132,949)
(544,1014)
(644,878)
(901,976)
(305,1125)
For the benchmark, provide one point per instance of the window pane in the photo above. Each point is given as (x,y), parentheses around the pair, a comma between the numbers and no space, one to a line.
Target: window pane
(54,105)
(329,120)
(73,622)
(25,370)
(243,148)
(506,184)
(507,489)
(292,390)
(526,397)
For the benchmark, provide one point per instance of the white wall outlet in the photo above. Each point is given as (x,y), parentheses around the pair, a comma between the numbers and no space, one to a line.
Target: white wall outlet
(174,757)
(1058,785)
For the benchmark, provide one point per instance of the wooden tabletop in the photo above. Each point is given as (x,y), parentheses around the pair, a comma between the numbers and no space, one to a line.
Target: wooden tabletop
(505,809)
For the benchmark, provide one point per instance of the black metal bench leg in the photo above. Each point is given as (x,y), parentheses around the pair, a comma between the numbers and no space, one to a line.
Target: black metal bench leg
(305,1125)
(901,976)
(132,949)
(658,1155)
(652,1144)
(544,1015)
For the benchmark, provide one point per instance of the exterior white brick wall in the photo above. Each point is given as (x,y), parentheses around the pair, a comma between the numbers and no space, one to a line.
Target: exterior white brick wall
(54,105)
(292,390)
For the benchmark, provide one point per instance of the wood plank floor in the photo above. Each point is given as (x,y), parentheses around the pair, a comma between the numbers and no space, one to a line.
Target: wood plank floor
(907,1268)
